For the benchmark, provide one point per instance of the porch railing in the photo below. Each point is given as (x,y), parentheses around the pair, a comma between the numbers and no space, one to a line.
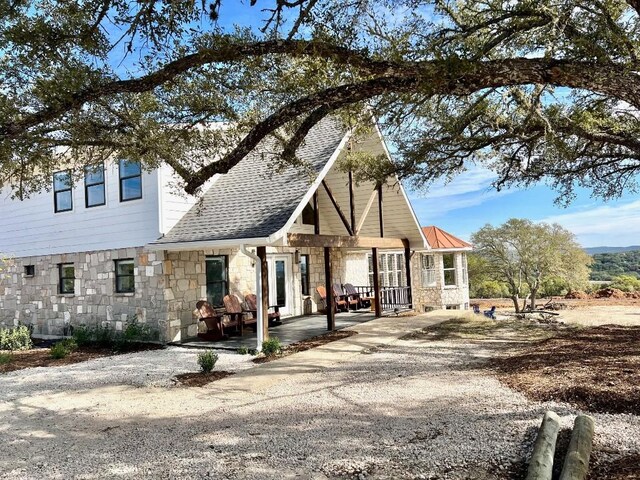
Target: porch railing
(391,298)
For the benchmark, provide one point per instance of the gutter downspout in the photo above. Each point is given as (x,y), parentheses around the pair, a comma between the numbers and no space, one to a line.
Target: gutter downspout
(260,322)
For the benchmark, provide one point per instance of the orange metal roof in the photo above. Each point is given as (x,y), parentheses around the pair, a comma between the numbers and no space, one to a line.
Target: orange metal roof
(438,238)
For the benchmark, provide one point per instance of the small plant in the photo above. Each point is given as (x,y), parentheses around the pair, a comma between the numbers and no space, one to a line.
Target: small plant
(5,357)
(272,346)
(83,335)
(63,348)
(17,338)
(207,360)
(243,350)
(104,336)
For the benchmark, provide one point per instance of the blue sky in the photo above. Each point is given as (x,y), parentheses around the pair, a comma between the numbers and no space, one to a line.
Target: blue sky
(467,203)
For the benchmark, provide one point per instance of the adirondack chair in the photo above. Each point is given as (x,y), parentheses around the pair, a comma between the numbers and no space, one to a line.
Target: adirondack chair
(212,320)
(338,303)
(364,300)
(252,307)
(233,309)
(352,303)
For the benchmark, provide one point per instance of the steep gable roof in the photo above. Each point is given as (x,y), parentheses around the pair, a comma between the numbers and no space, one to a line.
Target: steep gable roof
(251,200)
(439,239)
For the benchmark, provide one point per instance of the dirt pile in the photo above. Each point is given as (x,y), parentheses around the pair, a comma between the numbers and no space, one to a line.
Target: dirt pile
(609,293)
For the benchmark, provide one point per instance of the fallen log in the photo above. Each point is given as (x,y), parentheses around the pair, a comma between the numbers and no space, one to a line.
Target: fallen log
(576,463)
(541,463)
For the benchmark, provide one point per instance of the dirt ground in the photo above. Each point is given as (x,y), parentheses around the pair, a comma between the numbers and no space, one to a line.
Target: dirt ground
(41,357)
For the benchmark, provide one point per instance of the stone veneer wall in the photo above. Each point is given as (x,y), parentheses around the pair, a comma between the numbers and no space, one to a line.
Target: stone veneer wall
(36,301)
(186,283)
(438,297)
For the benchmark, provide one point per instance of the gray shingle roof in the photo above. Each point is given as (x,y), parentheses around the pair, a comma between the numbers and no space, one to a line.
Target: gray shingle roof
(251,201)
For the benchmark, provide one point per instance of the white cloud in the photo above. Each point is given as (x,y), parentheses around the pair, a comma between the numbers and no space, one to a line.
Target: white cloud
(473,180)
(611,225)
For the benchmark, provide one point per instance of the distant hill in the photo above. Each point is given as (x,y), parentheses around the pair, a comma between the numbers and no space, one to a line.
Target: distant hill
(620,262)
(594,250)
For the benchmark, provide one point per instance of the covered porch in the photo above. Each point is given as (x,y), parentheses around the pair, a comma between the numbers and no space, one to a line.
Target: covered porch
(292,330)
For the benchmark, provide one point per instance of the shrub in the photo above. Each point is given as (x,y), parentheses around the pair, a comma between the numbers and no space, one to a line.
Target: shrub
(243,350)
(83,335)
(207,360)
(5,357)
(626,283)
(17,338)
(272,346)
(63,348)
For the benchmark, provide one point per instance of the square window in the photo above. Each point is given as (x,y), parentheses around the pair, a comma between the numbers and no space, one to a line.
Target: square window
(130,180)
(216,267)
(29,270)
(62,197)
(67,274)
(125,277)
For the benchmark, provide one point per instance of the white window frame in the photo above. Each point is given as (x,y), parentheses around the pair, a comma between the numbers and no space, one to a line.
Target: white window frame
(428,270)
(391,268)
(463,266)
(449,269)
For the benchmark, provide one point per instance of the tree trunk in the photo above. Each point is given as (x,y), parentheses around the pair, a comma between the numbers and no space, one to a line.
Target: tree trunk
(534,293)
(524,303)
(516,302)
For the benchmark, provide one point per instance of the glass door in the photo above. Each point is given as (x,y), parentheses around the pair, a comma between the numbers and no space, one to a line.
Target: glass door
(280,293)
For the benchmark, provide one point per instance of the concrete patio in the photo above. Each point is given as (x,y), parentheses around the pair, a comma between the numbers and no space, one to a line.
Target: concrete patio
(294,329)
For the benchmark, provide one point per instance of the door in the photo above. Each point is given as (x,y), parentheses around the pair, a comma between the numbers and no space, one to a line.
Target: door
(280,283)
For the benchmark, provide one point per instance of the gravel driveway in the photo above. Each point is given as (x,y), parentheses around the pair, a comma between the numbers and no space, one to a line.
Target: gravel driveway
(369,406)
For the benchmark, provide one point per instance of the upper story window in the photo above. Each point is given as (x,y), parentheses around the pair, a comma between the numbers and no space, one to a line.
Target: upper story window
(449,269)
(94,185)
(62,197)
(308,215)
(67,278)
(130,180)
(125,276)
(428,270)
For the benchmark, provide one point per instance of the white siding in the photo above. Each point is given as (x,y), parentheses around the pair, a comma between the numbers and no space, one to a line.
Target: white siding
(31,227)
(173,204)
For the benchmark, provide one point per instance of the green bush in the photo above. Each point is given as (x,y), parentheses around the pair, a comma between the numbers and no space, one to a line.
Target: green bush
(5,357)
(626,283)
(63,348)
(243,350)
(83,335)
(207,360)
(17,338)
(271,346)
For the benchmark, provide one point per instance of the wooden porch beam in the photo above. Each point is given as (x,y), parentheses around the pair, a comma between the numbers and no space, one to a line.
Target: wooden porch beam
(343,241)
(337,207)
(352,205)
(366,211)
(262,254)
(316,214)
(330,303)
(380,212)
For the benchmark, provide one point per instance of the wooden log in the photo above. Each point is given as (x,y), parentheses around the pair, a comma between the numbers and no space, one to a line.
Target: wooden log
(541,463)
(576,463)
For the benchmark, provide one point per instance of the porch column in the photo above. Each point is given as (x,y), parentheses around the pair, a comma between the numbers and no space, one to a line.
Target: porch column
(407,266)
(331,321)
(262,253)
(376,282)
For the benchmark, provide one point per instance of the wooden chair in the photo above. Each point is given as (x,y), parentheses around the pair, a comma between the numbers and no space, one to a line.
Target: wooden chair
(252,307)
(233,309)
(364,300)
(212,320)
(352,303)
(338,303)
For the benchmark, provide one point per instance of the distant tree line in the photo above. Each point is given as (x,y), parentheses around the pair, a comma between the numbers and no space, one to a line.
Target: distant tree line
(606,266)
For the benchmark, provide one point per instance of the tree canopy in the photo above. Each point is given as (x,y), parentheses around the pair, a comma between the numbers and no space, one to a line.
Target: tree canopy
(537,90)
(526,255)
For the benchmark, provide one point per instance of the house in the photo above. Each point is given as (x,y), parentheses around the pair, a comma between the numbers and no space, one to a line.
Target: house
(119,242)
